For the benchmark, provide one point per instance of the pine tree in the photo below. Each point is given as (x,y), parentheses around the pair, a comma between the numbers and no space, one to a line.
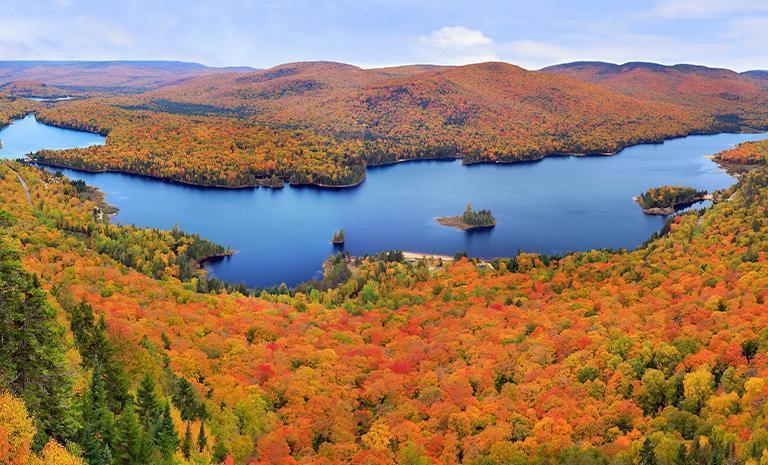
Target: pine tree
(127,446)
(166,437)
(106,456)
(647,454)
(202,441)
(147,405)
(147,451)
(94,345)
(98,422)
(185,399)
(32,363)
(186,444)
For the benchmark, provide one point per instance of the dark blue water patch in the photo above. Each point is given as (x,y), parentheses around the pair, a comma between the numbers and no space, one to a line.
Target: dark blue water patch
(26,135)
(557,205)
(554,206)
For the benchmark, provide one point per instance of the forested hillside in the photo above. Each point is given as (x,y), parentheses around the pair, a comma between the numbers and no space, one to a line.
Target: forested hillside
(12,108)
(323,123)
(734,100)
(656,355)
(102,76)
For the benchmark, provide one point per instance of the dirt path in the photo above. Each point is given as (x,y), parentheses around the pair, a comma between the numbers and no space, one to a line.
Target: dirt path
(24,185)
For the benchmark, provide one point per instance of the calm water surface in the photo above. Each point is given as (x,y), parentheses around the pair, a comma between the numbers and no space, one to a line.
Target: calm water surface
(27,135)
(556,205)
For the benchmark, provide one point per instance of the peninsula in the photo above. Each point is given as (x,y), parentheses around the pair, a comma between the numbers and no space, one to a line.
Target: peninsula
(665,200)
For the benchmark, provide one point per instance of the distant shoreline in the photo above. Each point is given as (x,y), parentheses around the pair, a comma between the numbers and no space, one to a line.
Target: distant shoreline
(465,161)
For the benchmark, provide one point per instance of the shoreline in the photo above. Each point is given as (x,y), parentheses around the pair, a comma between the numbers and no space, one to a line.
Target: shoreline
(210,258)
(465,161)
(670,210)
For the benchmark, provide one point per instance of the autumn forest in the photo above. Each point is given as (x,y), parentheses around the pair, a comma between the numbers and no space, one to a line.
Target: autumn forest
(118,347)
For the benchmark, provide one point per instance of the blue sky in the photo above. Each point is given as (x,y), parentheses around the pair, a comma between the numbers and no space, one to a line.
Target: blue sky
(369,33)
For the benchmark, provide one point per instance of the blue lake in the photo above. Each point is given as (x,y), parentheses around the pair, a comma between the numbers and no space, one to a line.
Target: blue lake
(27,135)
(557,205)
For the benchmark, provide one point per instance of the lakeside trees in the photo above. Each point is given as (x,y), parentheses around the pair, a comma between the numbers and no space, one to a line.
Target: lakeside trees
(669,197)
(478,218)
(324,123)
(338,237)
(746,153)
(602,356)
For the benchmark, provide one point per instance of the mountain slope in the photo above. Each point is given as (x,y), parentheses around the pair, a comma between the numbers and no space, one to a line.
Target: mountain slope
(595,357)
(733,99)
(496,99)
(105,75)
(486,112)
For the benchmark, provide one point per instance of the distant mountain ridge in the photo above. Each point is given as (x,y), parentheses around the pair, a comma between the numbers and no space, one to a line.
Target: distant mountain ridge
(608,67)
(729,97)
(116,75)
(353,117)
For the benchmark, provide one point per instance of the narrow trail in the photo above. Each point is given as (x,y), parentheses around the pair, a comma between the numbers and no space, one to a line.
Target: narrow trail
(24,185)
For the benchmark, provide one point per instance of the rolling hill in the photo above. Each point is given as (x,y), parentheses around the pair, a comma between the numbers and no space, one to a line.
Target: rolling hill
(486,112)
(732,99)
(113,76)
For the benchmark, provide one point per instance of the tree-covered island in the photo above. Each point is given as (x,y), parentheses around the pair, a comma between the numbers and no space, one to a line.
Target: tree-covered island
(470,220)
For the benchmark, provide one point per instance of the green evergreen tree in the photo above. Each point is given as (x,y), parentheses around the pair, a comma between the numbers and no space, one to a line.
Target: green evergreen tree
(146,401)
(94,345)
(202,441)
(647,454)
(127,446)
(184,398)
(186,444)
(148,453)
(220,452)
(32,348)
(98,421)
(166,437)
(106,456)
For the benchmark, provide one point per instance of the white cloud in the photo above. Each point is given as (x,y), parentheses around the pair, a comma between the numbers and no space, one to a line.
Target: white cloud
(456,45)
(701,9)
(457,37)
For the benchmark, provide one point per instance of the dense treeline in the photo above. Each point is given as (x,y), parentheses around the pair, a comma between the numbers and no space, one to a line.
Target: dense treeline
(482,217)
(656,355)
(201,150)
(32,363)
(13,108)
(111,420)
(733,100)
(323,123)
(157,253)
(746,153)
(669,197)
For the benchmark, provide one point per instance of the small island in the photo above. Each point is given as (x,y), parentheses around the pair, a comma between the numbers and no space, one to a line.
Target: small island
(338,237)
(470,220)
(665,200)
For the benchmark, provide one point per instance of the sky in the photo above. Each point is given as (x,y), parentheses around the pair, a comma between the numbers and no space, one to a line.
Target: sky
(374,33)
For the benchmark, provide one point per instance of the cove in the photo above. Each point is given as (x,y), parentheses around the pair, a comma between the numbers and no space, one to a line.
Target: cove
(27,135)
(555,205)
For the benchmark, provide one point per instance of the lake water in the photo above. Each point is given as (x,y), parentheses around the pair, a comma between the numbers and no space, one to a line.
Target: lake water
(553,206)
(27,135)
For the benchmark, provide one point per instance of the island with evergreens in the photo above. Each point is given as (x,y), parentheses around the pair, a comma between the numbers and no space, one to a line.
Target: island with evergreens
(338,237)
(665,200)
(470,220)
